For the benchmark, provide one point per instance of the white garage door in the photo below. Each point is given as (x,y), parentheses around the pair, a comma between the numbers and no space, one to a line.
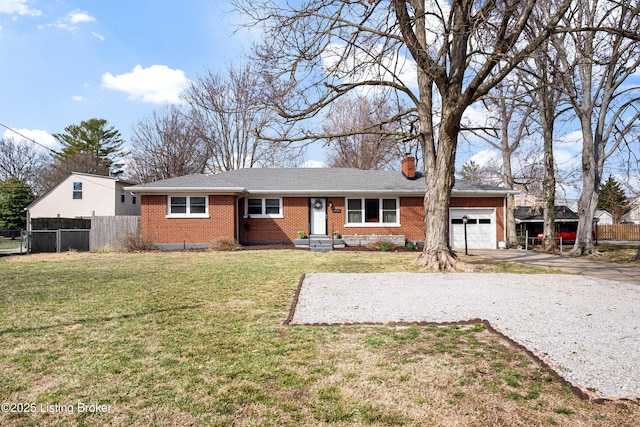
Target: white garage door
(481,228)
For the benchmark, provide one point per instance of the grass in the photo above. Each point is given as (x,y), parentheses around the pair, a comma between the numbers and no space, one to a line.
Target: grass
(6,243)
(621,254)
(197,339)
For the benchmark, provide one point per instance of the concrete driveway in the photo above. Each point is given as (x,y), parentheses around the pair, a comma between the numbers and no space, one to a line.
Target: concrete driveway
(587,266)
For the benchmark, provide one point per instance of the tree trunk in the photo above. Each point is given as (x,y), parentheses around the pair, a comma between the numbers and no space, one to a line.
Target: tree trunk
(511,221)
(587,203)
(507,176)
(586,211)
(439,177)
(549,243)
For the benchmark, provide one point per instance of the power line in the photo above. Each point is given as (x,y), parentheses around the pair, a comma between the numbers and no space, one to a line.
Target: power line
(27,138)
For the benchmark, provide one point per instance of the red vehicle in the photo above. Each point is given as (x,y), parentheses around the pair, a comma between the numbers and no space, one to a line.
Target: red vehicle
(566,235)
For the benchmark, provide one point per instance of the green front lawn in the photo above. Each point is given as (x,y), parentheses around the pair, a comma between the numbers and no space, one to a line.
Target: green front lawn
(6,243)
(198,339)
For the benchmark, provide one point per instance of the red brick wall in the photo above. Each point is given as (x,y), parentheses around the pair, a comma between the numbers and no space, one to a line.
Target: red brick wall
(160,229)
(155,225)
(275,230)
(411,219)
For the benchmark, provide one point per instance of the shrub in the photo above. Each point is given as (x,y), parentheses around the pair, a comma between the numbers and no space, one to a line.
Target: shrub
(226,245)
(411,245)
(382,245)
(134,242)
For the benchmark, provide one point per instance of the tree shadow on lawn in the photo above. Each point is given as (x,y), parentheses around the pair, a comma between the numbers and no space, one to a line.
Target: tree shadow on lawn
(100,319)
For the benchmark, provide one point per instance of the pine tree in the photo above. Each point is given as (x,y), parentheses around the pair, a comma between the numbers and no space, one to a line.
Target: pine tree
(613,199)
(15,196)
(95,138)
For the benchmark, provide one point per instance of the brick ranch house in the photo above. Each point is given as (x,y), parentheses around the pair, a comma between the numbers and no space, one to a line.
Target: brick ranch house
(262,206)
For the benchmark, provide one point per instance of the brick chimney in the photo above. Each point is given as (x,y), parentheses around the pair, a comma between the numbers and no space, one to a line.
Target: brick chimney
(409,166)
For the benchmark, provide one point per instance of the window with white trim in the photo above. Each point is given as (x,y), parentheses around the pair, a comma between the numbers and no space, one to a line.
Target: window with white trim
(188,206)
(77,191)
(373,211)
(264,207)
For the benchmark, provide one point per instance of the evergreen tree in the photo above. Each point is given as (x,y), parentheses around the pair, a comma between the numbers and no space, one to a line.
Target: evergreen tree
(613,199)
(95,138)
(15,196)
(472,171)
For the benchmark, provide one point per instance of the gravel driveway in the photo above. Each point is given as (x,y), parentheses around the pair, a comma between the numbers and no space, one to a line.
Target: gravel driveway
(587,329)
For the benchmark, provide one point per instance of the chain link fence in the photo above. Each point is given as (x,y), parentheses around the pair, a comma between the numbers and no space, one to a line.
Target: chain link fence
(12,241)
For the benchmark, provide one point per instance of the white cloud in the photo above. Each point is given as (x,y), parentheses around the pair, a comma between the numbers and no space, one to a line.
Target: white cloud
(478,115)
(486,157)
(157,84)
(339,65)
(17,7)
(565,159)
(78,16)
(571,141)
(77,98)
(98,36)
(42,137)
(69,22)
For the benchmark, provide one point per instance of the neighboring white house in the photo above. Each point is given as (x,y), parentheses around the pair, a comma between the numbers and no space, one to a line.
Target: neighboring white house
(634,214)
(83,195)
(603,216)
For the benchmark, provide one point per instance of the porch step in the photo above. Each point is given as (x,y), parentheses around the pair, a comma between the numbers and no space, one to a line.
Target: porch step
(320,244)
(324,243)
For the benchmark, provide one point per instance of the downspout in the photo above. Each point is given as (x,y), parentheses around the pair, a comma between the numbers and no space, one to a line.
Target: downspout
(236,219)
(239,211)
(505,219)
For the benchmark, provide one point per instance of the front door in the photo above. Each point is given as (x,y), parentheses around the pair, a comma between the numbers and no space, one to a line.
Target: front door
(318,215)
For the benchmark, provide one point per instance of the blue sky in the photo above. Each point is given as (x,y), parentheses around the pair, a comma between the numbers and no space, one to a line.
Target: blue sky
(64,61)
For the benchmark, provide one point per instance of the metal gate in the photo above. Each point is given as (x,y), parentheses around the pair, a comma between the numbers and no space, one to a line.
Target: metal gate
(60,240)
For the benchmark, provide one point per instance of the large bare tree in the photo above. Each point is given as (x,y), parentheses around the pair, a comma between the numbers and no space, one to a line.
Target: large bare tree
(541,77)
(358,140)
(508,125)
(166,145)
(229,114)
(459,50)
(599,62)
(21,160)
(58,170)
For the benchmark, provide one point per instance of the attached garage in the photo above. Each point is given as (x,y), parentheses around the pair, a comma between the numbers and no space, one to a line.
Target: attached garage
(481,228)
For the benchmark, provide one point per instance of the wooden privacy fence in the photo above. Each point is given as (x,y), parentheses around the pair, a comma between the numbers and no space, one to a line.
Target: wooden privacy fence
(107,232)
(618,231)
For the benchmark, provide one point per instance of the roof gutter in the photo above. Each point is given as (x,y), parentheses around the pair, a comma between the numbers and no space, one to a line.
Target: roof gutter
(181,190)
(481,193)
(329,193)
(521,221)
(305,193)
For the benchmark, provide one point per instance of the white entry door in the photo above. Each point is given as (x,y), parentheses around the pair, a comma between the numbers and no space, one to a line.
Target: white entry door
(318,207)
(481,228)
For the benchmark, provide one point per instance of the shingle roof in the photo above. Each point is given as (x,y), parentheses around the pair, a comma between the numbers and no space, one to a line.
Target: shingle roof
(535,214)
(306,181)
